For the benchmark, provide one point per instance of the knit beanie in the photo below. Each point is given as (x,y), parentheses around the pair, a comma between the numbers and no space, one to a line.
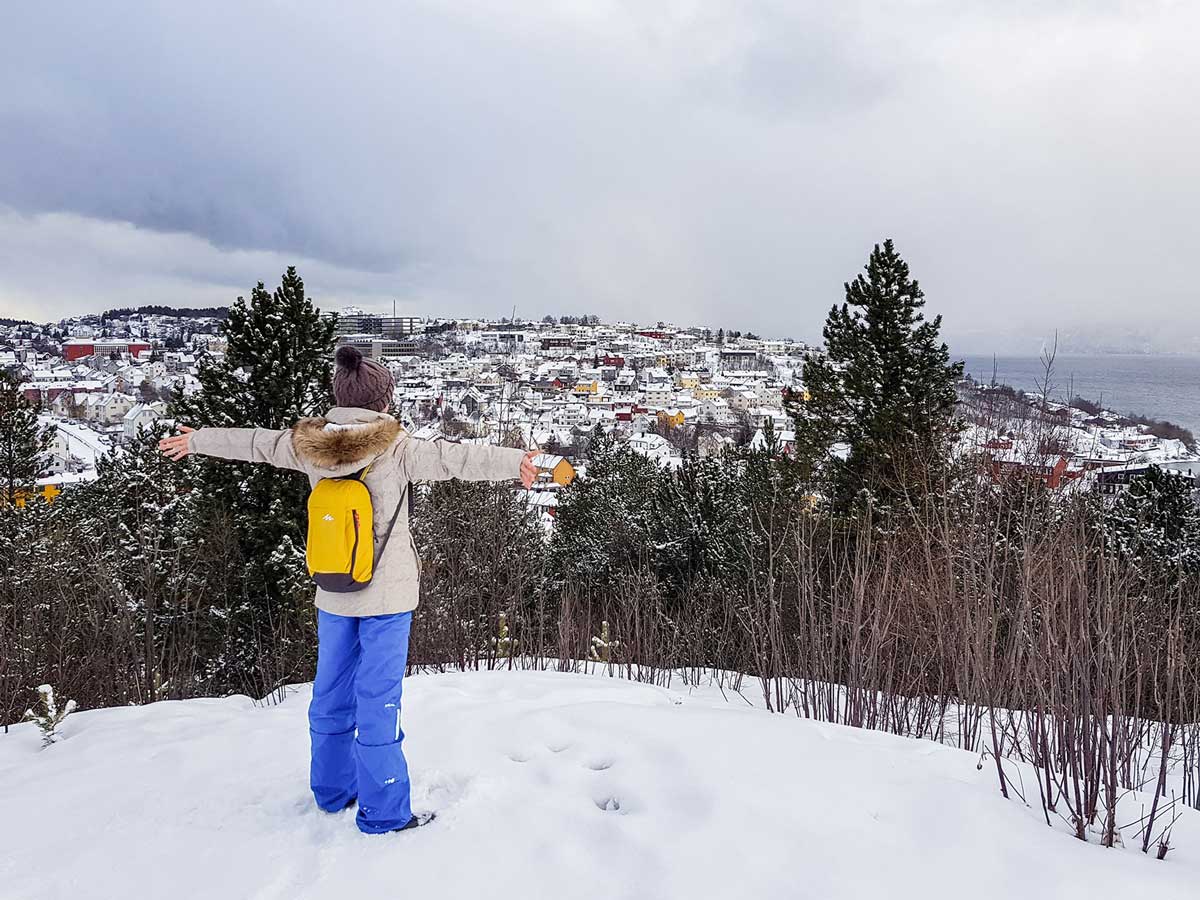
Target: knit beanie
(360,382)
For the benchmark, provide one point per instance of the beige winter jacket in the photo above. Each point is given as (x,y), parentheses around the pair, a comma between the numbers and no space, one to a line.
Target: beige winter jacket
(344,442)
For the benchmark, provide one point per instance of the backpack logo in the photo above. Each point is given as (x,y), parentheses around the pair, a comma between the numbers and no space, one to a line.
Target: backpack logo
(327,518)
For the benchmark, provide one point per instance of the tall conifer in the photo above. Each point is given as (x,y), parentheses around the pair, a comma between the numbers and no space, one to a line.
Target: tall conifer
(879,413)
(23,441)
(277,368)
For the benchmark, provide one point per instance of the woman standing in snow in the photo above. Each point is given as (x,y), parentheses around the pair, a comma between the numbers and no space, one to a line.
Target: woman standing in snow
(354,717)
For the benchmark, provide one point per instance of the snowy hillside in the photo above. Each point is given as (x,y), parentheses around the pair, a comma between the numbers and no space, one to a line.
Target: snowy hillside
(546,785)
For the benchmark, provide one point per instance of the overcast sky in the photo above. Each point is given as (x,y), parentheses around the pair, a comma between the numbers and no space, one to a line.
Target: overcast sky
(724,163)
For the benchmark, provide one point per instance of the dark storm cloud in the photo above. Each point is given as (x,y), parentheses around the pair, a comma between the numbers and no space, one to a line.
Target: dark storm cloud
(220,127)
(727,163)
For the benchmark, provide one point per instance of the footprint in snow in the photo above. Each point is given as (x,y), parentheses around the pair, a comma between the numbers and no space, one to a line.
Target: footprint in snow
(608,804)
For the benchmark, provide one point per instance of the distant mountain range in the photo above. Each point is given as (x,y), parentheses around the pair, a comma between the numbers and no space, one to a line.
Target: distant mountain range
(1154,336)
(182,312)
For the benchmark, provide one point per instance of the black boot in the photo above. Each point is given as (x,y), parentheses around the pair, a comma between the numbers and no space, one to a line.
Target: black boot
(417,821)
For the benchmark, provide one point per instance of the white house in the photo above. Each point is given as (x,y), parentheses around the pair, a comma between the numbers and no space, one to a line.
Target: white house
(141,415)
(108,409)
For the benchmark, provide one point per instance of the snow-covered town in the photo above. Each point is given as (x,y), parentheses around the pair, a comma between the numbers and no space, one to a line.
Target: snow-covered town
(666,390)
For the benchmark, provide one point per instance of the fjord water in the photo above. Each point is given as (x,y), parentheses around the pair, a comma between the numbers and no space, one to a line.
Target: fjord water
(1161,387)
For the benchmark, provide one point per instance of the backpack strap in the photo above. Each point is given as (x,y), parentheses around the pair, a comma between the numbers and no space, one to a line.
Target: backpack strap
(387,535)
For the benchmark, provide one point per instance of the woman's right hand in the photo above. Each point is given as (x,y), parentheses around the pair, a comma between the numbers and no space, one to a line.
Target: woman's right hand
(177,446)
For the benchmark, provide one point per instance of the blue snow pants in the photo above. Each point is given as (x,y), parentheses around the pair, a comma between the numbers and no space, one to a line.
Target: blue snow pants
(360,667)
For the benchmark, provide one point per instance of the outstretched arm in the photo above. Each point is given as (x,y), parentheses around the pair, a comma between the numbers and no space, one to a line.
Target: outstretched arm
(441,460)
(244,444)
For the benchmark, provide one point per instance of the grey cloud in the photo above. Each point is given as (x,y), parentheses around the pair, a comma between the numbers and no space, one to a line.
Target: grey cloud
(703,162)
(143,266)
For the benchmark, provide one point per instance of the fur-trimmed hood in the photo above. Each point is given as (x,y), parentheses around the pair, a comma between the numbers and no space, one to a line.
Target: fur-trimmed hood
(345,439)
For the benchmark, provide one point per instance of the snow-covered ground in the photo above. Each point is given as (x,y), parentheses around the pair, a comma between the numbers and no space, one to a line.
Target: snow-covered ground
(546,785)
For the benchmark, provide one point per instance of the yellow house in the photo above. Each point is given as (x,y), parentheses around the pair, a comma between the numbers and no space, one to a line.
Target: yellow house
(587,387)
(706,392)
(671,417)
(561,472)
(688,380)
(47,492)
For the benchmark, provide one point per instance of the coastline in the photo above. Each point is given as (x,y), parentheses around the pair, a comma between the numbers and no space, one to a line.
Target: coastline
(1164,387)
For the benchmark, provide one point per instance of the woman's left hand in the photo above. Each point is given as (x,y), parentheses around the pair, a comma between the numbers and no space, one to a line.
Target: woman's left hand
(528,469)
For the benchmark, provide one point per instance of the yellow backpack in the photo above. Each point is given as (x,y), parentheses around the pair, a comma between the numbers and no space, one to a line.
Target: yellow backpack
(340,550)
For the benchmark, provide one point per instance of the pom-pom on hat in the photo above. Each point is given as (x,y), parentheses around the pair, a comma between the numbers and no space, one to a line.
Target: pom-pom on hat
(360,382)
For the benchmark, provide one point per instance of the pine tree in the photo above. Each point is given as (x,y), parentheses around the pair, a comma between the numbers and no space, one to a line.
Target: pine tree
(1155,524)
(23,441)
(143,532)
(32,571)
(49,716)
(884,388)
(604,646)
(277,368)
(503,643)
(277,363)
(700,522)
(606,520)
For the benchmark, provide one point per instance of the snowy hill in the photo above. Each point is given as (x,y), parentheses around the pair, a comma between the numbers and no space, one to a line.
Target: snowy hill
(546,785)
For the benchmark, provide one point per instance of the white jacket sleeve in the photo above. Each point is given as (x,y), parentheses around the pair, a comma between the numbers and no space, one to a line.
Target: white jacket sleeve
(263,445)
(442,460)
